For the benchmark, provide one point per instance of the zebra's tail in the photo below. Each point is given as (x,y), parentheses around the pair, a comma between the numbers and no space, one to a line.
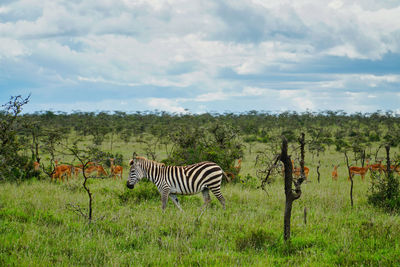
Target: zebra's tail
(227,177)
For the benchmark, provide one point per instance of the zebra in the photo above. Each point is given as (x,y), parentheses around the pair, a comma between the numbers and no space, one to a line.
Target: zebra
(182,180)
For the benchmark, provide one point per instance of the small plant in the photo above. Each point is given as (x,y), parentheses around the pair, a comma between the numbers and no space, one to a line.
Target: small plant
(249,181)
(255,239)
(145,190)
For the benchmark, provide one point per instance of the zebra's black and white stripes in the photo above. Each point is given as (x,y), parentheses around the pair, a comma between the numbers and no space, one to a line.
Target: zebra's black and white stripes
(182,180)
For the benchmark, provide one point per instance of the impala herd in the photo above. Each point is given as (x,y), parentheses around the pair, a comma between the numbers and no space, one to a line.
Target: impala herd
(362,171)
(92,168)
(65,170)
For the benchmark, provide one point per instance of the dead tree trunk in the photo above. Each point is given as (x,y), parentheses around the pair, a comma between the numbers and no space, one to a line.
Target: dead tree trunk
(362,158)
(392,184)
(291,194)
(350,177)
(302,144)
(388,169)
(376,153)
(88,192)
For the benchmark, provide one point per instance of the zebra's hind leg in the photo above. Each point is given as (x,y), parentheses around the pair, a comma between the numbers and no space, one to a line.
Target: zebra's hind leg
(217,193)
(207,200)
(164,198)
(175,200)
(206,196)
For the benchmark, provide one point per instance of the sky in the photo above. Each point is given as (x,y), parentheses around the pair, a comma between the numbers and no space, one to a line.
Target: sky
(201,56)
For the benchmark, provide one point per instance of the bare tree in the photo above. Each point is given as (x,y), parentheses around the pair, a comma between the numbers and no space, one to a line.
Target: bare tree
(84,156)
(350,177)
(291,193)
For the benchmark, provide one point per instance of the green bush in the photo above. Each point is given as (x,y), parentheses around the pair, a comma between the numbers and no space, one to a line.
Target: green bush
(219,143)
(144,190)
(263,139)
(247,181)
(290,135)
(13,165)
(250,138)
(385,191)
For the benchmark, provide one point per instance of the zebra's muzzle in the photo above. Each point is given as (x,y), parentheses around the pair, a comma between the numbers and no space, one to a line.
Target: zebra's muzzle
(130,186)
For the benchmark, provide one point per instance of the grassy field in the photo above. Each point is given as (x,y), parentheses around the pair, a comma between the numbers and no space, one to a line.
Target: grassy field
(38,229)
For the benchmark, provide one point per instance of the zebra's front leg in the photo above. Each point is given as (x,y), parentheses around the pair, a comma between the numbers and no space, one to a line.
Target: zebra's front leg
(175,200)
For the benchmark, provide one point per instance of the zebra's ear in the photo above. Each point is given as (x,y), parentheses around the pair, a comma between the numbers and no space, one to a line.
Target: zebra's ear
(131,162)
(134,155)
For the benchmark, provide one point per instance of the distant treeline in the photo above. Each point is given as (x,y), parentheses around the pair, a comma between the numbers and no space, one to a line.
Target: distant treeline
(254,124)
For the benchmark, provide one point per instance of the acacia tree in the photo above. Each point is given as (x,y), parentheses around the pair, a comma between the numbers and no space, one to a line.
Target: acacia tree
(50,141)
(31,131)
(85,156)
(13,166)
(317,144)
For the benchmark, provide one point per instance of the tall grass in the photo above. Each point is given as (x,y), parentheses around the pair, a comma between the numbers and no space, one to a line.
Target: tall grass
(37,228)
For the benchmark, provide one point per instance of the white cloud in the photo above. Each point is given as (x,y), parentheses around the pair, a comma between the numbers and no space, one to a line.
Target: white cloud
(211,97)
(287,93)
(11,48)
(102,80)
(391,78)
(4,10)
(346,50)
(304,103)
(253,91)
(86,106)
(336,4)
(248,50)
(166,105)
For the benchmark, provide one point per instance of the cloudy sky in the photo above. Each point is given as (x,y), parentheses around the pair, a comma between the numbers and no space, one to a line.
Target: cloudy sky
(201,55)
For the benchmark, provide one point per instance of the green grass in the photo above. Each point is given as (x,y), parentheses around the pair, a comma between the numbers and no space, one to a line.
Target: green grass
(36,228)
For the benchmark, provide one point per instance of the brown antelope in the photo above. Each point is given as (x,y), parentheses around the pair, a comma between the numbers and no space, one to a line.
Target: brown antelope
(56,175)
(95,168)
(61,170)
(116,170)
(238,166)
(79,168)
(375,167)
(77,171)
(231,175)
(36,166)
(297,171)
(359,170)
(395,168)
(334,173)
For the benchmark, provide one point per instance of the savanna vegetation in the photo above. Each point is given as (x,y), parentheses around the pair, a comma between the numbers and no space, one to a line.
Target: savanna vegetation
(46,217)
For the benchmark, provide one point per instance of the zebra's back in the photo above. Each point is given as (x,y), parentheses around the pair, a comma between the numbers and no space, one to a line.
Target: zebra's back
(192,179)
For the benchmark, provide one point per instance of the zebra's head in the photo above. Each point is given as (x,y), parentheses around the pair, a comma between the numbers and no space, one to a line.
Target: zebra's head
(135,174)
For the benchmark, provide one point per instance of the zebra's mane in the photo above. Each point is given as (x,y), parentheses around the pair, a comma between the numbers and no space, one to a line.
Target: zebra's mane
(149,160)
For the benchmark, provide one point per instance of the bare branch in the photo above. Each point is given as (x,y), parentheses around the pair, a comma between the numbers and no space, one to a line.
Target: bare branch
(273,166)
(76,208)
